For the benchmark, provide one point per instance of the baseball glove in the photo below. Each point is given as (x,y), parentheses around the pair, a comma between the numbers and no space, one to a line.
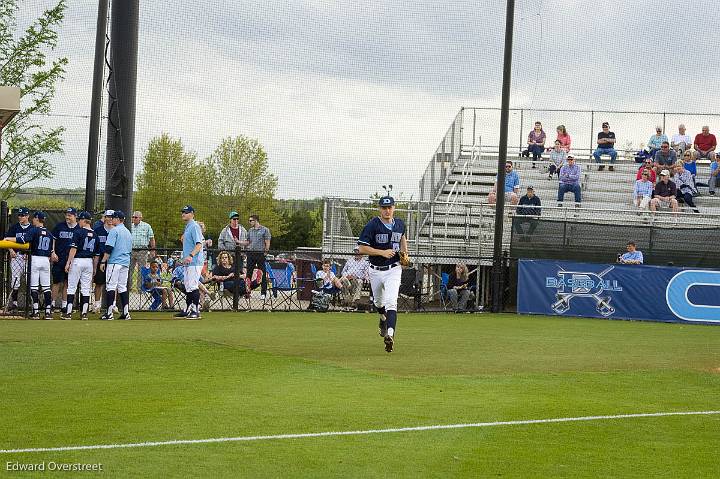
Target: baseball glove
(404,259)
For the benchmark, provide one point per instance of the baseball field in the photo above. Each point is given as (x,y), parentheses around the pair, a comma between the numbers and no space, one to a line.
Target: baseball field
(251,394)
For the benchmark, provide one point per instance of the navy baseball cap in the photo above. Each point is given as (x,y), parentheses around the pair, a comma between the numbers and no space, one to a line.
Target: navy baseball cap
(40,215)
(71,211)
(187,209)
(386,201)
(23,211)
(84,215)
(118,214)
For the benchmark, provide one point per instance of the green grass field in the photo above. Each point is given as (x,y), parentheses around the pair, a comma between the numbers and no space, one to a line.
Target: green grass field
(246,374)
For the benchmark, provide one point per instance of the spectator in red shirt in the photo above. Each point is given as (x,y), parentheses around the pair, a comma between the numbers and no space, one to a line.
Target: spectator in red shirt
(563,138)
(705,144)
(647,165)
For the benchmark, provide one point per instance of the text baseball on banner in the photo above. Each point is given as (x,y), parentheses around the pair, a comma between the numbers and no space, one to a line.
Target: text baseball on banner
(650,293)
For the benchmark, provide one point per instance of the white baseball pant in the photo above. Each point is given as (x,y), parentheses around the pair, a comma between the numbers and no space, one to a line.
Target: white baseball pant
(386,287)
(192,278)
(40,272)
(17,270)
(81,270)
(117,276)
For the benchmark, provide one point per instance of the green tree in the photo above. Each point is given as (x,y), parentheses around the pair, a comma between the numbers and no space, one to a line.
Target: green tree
(304,228)
(168,181)
(239,179)
(24,63)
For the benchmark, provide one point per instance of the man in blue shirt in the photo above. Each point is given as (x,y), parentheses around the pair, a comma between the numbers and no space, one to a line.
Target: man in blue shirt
(382,239)
(63,234)
(511,188)
(118,247)
(193,260)
(18,259)
(633,256)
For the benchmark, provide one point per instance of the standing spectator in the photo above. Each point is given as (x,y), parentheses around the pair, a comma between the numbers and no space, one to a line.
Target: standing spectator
(642,192)
(681,141)
(656,141)
(536,142)
(233,235)
(63,234)
(665,157)
(143,239)
(664,193)
(457,288)
(605,146)
(633,256)
(18,259)
(558,156)
(258,245)
(527,211)
(647,166)
(685,186)
(705,144)
(512,186)
(714,171)
(355,272)
(564,138)
(570,181)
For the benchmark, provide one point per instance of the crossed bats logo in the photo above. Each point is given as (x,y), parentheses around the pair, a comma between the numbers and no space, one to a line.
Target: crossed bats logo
(575,284)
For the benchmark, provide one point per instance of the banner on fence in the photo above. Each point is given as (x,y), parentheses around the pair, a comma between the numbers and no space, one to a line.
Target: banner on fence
(651,293)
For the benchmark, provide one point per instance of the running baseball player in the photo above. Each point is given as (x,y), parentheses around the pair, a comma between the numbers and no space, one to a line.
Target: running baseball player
(193,260)
(383,240)
(101,232)
(18,259)
(80,266)
(116,264)
(41,249)
(63,234)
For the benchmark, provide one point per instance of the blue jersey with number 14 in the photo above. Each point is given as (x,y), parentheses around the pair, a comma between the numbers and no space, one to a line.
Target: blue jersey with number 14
(41,241)
(85,242)
(379,235)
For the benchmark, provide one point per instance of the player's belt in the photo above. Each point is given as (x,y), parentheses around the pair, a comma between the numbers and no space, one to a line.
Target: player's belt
(384,268)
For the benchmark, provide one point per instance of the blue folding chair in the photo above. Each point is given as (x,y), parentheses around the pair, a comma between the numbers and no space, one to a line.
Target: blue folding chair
(283,287)
(444,280)
(149,294)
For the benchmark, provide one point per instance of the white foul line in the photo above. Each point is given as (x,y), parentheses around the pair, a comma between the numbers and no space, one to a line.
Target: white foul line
(355,433)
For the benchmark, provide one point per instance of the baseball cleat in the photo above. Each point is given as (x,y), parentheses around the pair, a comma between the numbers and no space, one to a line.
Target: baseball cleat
(382,327)
(389,343)
(193,315)
(181,314)
(35,316)
(107,317)
(125,317)
(84,317)
(65,316)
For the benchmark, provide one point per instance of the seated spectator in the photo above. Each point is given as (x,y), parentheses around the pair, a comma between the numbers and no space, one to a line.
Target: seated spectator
(633,256)
(688,159)
(705,144)
(355,272)
(558,156)
(605,146)
(642,193)
(329,280)
(646,166)
(458,288)
(152,283)
(224,274)
(536,143)
(569,181)
(527,211)
(512,186)
(665,158)
(656,141)
(564,138)
(664,193)
(681,141)
(685,186)
(714,171)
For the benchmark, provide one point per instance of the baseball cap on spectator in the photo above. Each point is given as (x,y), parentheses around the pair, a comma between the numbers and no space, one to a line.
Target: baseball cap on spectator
(664,173)
(118,214)
(234,214)
(109,213)
(386,201)
(84,215)
(187,209)
(530,188)
(606,124)
(23,211)
(40,215)
(570,157)
(71,211)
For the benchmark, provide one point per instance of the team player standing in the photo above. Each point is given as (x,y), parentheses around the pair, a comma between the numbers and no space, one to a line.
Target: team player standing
(80,266)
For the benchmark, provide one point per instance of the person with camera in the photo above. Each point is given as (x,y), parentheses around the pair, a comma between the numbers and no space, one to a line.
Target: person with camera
(633,255)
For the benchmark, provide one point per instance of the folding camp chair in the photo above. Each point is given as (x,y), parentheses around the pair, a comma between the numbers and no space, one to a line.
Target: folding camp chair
(283,291)
(411,289)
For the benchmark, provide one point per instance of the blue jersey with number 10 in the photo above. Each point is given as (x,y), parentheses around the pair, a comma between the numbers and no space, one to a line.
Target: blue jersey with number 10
(85,242)
(41,241)
(379,235)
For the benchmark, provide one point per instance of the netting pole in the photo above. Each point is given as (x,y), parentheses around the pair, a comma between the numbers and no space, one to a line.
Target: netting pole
(3,252)
(96,107)
(238,263)
(122,81)
(502,157)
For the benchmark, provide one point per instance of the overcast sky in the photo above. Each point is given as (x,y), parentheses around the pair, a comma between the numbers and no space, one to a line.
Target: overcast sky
(347,96)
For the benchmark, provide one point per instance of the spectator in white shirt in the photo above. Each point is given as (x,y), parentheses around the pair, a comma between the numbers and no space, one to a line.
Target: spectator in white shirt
(328,277)
(355,272)
(681,141)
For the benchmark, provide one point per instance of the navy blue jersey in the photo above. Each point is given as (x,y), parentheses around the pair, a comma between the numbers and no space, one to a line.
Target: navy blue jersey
(102,235)
(41,241)
(378,235)
(63,237)
(18,232)
(85,242)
